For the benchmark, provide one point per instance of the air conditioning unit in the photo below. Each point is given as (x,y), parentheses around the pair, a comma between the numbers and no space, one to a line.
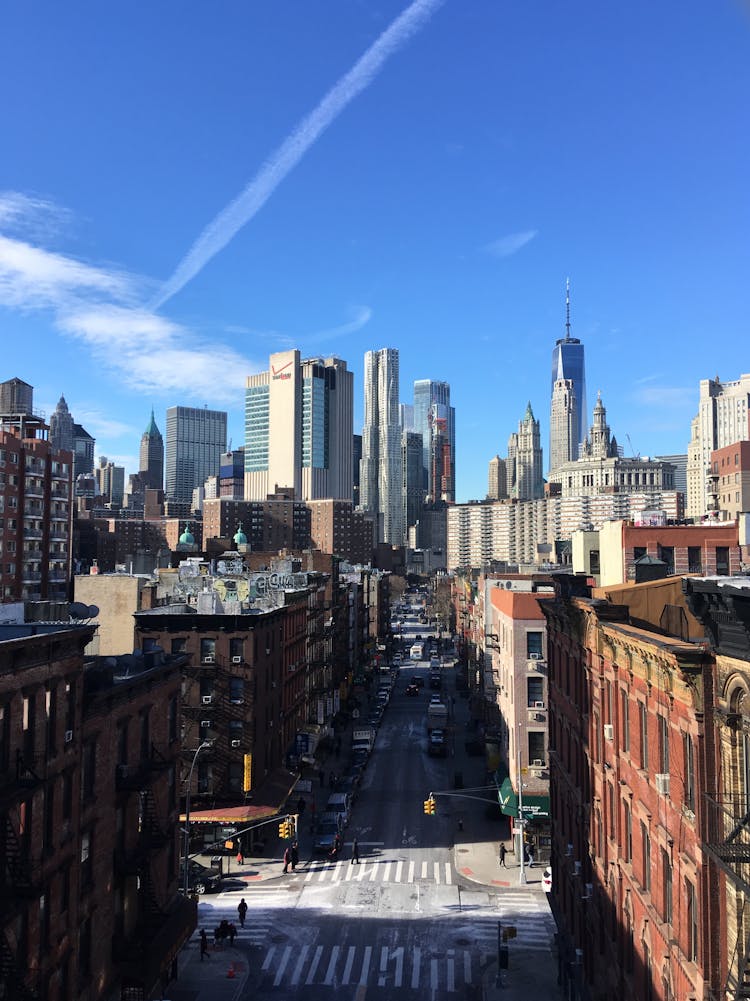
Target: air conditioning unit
(539,705)
(535,656)
(236,660)
(235,743)
(207,700)
(205,723)
(609,731)
(537,763)
(662,783)
(68,736)
(569,850)
(209,659)
(576,868)
(588,892)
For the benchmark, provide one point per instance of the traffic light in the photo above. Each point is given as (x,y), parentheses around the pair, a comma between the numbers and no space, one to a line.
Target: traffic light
(286,830)
(282,829)
(429,806)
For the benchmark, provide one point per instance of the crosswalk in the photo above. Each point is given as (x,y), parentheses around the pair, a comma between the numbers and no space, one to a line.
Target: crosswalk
(380,871)
(263,910)
(382,966)
(530,915)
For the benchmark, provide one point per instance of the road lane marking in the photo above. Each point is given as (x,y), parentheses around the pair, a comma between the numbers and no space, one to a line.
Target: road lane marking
(451,972)
(269,957)
(365,971)
(411,872)
(436,870)
(467,967)
(399,975)
(314,965)
(282,965)
(448,874)
(387,872)
(349,963)
(300,963)
(424,870)
(399,868)
(349,872)
(416,959)
(383,965)
(433,974)
(330,972)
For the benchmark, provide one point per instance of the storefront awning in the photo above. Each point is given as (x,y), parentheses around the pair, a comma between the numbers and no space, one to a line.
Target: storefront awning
(534,807)
(268,800)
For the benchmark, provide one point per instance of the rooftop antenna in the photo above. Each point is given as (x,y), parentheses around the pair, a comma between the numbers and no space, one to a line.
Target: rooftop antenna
(567,309)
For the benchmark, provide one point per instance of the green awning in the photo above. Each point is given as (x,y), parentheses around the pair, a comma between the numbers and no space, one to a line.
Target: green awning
(534,807)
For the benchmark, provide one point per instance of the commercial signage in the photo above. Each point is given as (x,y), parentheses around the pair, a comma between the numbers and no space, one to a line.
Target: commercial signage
(247,783)
(264,583)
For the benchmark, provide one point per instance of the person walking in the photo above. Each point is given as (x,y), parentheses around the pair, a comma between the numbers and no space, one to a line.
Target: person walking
(204,945)
(355,852)
(295,856)
(501,855)
(231,932)
(240,856)
(531,856)
(242,911)
(287,858)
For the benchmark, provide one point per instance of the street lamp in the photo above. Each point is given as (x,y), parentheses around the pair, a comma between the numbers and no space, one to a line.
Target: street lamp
(186,875)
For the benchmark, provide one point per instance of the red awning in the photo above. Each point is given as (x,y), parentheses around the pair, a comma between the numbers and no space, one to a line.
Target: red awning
(267,802)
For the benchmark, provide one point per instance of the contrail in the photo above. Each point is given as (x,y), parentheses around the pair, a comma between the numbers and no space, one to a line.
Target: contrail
(230,220)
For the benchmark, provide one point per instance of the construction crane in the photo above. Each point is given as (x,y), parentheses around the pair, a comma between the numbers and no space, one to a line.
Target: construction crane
(632,450)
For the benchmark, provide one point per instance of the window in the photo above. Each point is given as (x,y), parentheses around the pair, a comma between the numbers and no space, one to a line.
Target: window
(691,945)
(625,736)
(208,648)
(643,726)
(646,857)
(689,769)
(49,818)
(50,698)
(611,796)
(179,645)
(88,778)
(536,746)
(27,725)
(236,647)
(145,738)
(722,561)
(534,691)
(236,691)
(87,860)
(627,833)
(695,561)
(663,744)
(84,950)
(666,904)
(666,553)
(534,644)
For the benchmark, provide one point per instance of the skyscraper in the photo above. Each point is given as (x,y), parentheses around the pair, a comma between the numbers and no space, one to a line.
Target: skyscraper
(61,427)
(562,424)
(411,450)
(723,419)
(442,464)
(497,482)
(299,419)
(381,467)
(151,464)
(110,481)
(568,364)
(426,393)
(195,440)
(524,464)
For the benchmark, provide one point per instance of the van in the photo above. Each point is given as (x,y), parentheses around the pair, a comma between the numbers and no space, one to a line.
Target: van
(340,803)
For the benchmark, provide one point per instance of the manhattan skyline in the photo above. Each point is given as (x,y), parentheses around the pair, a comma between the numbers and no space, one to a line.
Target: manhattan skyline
(421,176)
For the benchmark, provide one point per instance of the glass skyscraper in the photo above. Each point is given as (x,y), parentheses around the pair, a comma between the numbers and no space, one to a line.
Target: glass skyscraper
(428,392)
(568,363)
(196,437)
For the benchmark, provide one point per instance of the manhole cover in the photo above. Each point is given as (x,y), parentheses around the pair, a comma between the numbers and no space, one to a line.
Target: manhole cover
(463,941)
(463,851)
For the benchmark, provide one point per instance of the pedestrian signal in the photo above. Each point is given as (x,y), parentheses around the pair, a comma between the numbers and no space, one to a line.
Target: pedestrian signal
(429,806)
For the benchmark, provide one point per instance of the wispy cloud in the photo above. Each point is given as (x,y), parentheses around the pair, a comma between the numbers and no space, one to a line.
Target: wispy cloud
(664,397)
(246,205)
(510,244)
(36,217)
(361,316)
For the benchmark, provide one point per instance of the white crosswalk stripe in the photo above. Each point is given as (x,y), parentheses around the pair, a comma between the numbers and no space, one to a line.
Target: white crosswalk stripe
(530,915)
(382,966)
(259,920)
(380,871)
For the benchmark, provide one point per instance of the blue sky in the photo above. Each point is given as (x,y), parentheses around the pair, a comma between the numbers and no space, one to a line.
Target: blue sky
(436,201)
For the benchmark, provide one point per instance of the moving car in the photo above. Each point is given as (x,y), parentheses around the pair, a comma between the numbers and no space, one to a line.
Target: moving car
(436,744)
(412,689)
(325,836)
(417,680)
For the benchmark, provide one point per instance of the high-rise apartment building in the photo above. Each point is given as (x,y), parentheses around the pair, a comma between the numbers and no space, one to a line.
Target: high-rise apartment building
(497,479)
(411,450)
(195,440)
(83,452)
(428,393)
(151,464)
(381,467)
(525,480)
(110,481)
(722,419)
(299,418)
(356,459)
(36,491)
(442,464)
(61,427)
(568,365)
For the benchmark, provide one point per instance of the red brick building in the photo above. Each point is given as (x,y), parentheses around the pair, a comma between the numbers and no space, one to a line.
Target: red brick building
(89,907)
(630,760)
(729,479)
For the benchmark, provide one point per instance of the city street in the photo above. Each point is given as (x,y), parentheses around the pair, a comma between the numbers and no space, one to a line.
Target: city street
(404,919)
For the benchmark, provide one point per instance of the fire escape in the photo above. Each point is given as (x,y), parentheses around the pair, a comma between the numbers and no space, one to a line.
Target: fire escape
(20,884)
(161,925)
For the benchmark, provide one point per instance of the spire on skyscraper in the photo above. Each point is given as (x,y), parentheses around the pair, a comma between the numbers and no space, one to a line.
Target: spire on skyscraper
(567,309)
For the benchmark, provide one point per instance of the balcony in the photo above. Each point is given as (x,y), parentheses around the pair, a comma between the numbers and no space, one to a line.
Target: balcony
(728,824)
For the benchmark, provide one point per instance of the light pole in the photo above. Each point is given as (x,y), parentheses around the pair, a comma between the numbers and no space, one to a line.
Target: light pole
(186,874)
(522,876)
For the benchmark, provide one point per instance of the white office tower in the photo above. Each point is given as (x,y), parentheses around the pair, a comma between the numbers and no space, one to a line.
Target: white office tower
(381,467)
(722,419)
(563,432)
(299,418)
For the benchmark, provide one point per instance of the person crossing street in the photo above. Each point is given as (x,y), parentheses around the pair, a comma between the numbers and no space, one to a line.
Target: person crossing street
(355,853)
(242,912)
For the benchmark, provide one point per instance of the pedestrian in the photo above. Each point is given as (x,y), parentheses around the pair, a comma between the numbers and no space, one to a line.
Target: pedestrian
(231,932)
(460,823)
(355,852)
(240,856)
(204,945)
(501,855)
(531,857)
(295,856)
(242,911)
(287,858)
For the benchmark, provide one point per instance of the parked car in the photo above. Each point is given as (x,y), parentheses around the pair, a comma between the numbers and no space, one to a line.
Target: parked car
(436,699)
(200,878)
